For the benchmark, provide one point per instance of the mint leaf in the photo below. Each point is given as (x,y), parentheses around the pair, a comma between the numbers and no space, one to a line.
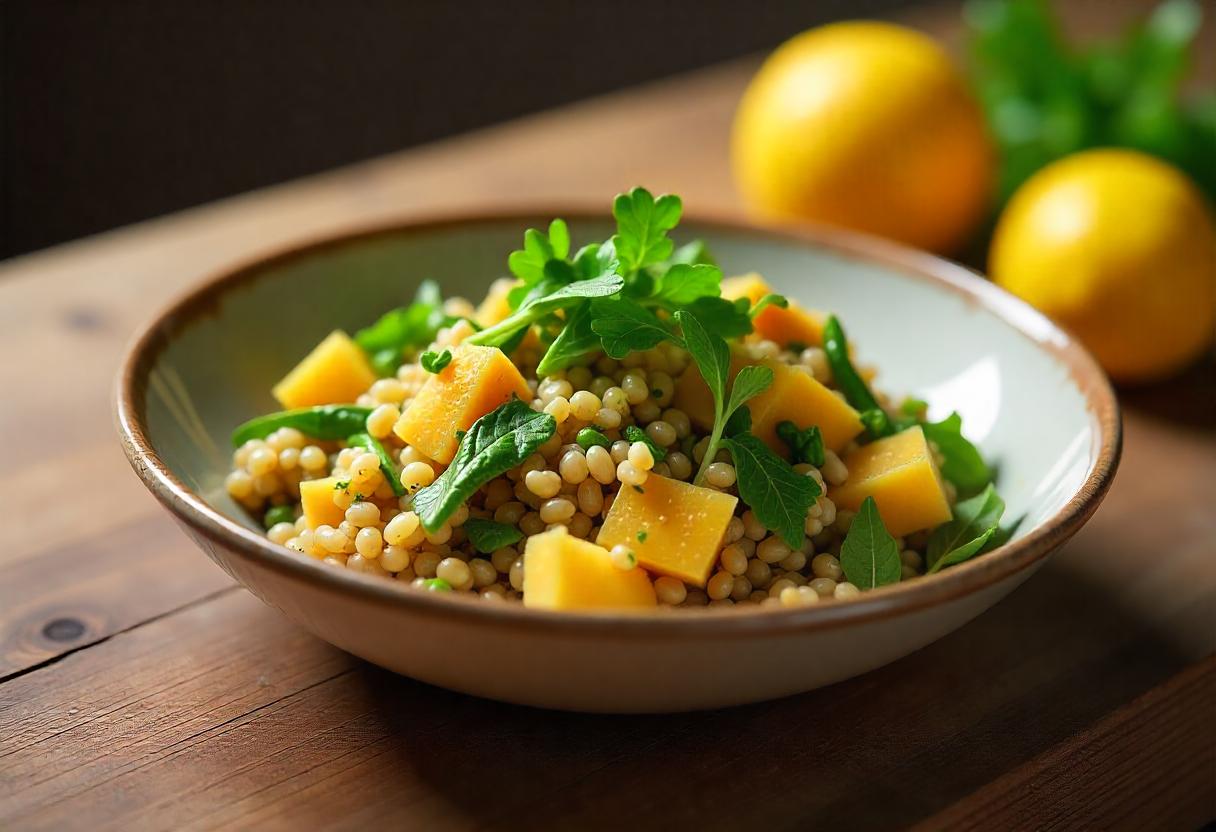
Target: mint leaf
(682,284)
(869,555)
(633,433)
(963,464)
(326,421)
(496,443)
(624,327)
(434,362)
(387,467)
(805,445)
(488,536)
(779,497)
(975,522)
(642,226)
(574,343)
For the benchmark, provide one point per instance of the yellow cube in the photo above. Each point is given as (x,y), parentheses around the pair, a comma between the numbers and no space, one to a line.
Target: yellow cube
(793,396)
(562,572)
(494,307)
(335,372)
(792,325)
(674,528)
(317,501)
(477,380)
(901,476)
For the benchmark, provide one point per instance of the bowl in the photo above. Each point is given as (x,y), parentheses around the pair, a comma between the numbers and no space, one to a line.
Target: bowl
(1029,394)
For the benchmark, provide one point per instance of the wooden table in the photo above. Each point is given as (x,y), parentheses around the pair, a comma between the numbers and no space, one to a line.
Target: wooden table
(139,688)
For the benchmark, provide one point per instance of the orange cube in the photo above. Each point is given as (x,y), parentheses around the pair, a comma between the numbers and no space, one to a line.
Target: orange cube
(674,528)
(317,501)
(793,396)
(900,474)
(562,572)
(477,380)
(792,325)
(335,372)
(494,307)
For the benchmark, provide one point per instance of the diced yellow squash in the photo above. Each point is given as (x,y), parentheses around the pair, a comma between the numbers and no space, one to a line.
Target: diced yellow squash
(899,473)
(674,528)
(793,325)
(335,372)
(494,307)
(317,500)
(477,380)
(793,396)
(563,572)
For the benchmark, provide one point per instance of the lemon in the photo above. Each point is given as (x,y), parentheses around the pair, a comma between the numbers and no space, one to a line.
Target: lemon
(869,126)
(1120,248)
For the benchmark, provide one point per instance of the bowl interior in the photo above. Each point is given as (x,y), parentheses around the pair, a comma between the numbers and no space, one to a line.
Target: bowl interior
(1016,397)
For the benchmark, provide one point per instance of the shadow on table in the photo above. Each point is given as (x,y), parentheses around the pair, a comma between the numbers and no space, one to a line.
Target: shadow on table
(1187,400)
(882,750)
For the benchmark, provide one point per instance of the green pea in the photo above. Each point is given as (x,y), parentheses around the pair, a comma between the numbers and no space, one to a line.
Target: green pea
(589,437)
(279,514)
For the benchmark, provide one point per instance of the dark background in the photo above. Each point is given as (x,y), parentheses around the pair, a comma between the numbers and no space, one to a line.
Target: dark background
(113,112)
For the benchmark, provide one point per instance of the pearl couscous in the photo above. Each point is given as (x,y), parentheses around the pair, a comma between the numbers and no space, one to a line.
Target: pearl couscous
(617,427)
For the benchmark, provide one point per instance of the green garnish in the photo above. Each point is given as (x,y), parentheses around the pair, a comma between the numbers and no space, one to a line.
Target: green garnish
(962,463)
(589,437)
(436,585)
(712,357)
(278,514)
(869,555)
(341,485)
(364,440)
(496,443)
(489,536)
(642,225)
(856,391)
(683,284)
(779,497)
(976,522)
(327,421)
(532,310)
(771,299)
(642,535)
(404,328)
(573,344)
(633,433)
(805,445)
(625,326)
(434,362)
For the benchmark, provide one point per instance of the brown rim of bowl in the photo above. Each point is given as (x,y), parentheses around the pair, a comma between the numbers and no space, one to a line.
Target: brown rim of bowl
(885,602)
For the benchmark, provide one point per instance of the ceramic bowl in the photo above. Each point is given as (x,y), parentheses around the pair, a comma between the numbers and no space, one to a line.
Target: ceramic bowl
(1030,396)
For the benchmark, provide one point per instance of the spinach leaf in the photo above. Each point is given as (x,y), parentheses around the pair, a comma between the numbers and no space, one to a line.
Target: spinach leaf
(683,284)
(434,362)
(975,523)
(327,421)
(633,433)
(495,443)
(624,327)
(779,497)
(963,464)
(488,536)
(406,327)
(575,342)
(387,467)
(805,445)
(642,226)
(869,555)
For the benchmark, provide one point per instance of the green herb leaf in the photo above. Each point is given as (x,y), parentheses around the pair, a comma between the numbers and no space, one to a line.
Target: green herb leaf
(975,522)
(869,555)
(624,327)
(495,443)
(576,342)
(403,328)
(749,383)
(739,422)
(633,433)
(387,467)
(779,497)
(642,226)
(434,362)
(771,299)
(850,382)
(693,254)
(528,264)
(488,536)
(642,535)
(711,355)
(963,464)
(805,445)
(327,421)
(588,437)
(682,284)
(729,319)
(536,308)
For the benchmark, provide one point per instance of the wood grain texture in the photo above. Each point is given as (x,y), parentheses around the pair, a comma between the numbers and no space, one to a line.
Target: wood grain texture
(140,691)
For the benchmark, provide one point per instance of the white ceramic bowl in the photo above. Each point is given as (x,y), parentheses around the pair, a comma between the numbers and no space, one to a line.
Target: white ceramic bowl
(1030,396)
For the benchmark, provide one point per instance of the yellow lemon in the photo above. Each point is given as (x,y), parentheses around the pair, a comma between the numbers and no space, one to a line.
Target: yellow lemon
(1120,248)
(868,126)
